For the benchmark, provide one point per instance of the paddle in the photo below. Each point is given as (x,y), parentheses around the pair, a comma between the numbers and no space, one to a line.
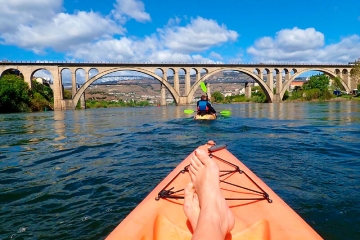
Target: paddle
(224,112)
(188,111)
(203,87)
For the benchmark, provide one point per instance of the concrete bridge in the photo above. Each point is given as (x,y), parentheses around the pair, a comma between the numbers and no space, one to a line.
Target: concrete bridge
(269,76)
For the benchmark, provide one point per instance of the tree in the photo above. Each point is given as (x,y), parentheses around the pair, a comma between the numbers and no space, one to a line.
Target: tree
(44,90)
(355,72)
(42,97)
(317,87)
(217,96)
(320,82)
(14,94)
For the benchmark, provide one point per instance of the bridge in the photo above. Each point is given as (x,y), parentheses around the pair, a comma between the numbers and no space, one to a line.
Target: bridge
(269,76)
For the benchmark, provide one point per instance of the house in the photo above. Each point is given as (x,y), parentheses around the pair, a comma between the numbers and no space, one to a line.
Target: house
(298,82)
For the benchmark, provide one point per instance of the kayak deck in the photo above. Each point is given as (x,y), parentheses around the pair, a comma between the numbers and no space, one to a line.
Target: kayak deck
(259,213)
(205,117)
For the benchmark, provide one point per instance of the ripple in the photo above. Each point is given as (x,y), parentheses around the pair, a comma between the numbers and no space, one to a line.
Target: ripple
(79,176)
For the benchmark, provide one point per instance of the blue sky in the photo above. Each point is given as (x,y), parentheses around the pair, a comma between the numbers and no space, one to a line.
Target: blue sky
(225,31)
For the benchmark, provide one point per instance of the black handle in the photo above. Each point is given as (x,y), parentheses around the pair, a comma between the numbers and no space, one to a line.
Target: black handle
(217,148)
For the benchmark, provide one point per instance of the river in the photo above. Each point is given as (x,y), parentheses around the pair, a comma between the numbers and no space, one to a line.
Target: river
(77,174)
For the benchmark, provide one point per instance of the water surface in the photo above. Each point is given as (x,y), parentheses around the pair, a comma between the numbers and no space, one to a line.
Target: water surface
(77,174)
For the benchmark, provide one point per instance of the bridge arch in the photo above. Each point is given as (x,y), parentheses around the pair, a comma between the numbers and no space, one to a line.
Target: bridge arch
(160,72)
(12,71)
(82,89)
(296,74)
(263,85)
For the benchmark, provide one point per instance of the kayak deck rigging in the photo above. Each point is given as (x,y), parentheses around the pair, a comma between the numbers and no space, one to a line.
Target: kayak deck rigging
(172,193)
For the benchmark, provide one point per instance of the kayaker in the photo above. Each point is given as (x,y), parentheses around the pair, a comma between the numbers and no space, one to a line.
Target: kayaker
(204,205)
(204,106)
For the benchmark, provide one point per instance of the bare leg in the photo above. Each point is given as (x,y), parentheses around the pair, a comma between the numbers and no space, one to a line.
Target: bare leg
(191,205)
(215,218)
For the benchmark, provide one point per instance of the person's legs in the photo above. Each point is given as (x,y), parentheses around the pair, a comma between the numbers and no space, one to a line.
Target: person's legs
(215,218)
(191,205)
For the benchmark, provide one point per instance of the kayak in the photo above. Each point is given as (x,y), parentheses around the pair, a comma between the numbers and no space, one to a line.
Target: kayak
(205,117)
(259,212)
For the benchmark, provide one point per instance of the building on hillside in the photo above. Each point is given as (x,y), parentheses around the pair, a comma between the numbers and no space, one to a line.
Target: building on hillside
(42,80)
(298,82)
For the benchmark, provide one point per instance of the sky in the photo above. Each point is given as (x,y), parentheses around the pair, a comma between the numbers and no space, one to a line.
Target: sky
(221,31)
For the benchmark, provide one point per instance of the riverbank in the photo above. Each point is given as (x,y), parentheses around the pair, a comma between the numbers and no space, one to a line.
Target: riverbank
(336,99)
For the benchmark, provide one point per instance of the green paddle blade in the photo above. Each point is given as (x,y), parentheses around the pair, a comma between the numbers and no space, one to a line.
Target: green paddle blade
(203,87)
(225,112)
(188,111)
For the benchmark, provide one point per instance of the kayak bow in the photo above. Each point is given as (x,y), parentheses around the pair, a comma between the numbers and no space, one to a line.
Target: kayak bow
(259,212)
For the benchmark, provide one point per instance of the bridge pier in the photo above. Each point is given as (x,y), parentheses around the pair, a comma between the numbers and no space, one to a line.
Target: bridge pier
(67,104)
(247,90)
(277,98)
(82,101)
(163,95)
(183,101)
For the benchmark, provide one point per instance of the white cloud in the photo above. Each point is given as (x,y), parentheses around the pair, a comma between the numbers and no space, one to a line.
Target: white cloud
(63,32)
(347,50)
(128,50)
(155,48)
(303,45)
(199,35)
(130,9)
(20,12)
(42,25)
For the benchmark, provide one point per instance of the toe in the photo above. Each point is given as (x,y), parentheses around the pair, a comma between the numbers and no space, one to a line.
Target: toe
(202,156)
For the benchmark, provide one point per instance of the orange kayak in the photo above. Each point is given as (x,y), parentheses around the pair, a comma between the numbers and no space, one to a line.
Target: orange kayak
(259,212)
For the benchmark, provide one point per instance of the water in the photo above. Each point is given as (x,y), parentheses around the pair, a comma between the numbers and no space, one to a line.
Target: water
(77,174)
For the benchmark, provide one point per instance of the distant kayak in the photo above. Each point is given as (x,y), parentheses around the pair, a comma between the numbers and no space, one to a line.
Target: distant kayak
(205,117)
(259,212)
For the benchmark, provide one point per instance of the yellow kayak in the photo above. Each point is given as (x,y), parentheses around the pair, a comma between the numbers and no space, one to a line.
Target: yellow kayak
(205,117)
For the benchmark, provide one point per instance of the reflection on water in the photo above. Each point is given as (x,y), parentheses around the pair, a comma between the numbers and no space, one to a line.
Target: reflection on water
(341,111)
(59,125)
(77,174)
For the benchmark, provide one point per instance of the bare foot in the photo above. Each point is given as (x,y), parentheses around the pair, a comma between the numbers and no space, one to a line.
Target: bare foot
(215,213)
(191,205)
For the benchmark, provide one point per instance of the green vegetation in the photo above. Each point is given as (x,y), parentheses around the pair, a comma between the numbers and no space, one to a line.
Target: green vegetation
(120,103)
(237,98)
(42,97)
(316,88)
(15,95)
(258,96)
(67,94)
(217,96)
(286,95)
